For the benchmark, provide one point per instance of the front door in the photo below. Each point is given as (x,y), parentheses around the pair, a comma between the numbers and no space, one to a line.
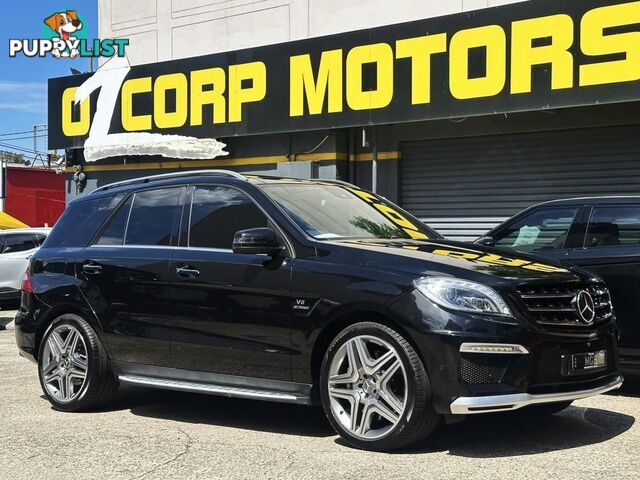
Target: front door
(125,273)
(612,251)
(232,312)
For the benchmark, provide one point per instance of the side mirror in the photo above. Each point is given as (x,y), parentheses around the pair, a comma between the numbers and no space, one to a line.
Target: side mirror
(257,241)
(488,241)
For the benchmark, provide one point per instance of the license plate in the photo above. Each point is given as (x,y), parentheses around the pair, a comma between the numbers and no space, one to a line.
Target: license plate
(587,362)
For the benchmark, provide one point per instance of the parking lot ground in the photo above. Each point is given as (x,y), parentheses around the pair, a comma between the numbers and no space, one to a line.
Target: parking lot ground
(154,434)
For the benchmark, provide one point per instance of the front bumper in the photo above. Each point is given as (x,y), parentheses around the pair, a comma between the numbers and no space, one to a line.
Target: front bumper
(464,379)
(503,403)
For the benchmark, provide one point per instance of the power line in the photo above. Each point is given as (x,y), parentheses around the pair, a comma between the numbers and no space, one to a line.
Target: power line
(21,149)
(21,133)
(10,139)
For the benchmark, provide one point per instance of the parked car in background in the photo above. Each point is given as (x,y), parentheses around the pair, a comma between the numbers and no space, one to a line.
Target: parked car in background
(305,292)
(601,234)
(16,248)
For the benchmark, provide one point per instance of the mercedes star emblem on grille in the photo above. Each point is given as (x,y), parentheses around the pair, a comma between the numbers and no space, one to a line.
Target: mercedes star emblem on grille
(585,306)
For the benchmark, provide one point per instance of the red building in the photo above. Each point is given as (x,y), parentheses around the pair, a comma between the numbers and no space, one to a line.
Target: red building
(34,196)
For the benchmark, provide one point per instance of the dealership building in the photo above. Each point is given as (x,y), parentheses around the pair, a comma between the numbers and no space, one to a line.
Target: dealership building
(463,112)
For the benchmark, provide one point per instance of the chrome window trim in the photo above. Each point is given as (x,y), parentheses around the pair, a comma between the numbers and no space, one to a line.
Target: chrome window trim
(126,226)
(153,247)
(205,249)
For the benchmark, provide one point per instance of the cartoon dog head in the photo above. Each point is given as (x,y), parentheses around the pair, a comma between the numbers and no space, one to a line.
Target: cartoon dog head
(64,23)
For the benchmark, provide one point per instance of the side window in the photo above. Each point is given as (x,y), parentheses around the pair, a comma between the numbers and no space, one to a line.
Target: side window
(81,220)
(217,213)
(39,238)
(19,243)
(152,216)
(146,218)
(114,233)
(611,226)
(544,229)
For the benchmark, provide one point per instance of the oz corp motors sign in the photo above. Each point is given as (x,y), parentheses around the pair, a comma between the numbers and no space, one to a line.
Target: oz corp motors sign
(526,56)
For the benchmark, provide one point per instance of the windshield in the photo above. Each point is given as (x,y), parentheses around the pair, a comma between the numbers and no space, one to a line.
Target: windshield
(327,211)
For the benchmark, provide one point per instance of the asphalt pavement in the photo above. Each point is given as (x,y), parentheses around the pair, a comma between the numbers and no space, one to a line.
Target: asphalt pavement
(154,434)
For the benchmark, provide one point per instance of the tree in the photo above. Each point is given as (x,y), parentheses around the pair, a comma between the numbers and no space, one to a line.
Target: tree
(12,157)
(377,230)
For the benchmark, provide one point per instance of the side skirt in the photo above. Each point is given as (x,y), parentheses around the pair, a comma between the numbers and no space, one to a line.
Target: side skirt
(212,383)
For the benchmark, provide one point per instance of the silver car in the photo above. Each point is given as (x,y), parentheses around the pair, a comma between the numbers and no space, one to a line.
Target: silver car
(16,247)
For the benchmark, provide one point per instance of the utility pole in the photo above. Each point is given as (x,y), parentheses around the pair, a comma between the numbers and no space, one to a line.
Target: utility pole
(3,185)
(374,160)
(35,140)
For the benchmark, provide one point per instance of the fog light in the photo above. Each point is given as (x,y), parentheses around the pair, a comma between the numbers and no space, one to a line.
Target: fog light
(493,348)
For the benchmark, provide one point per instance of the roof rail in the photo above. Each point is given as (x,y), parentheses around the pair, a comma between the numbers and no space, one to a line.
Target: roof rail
(337,182)
(164,176)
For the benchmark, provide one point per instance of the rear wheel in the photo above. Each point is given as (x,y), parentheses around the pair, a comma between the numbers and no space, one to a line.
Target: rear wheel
(375,389)
(73,366)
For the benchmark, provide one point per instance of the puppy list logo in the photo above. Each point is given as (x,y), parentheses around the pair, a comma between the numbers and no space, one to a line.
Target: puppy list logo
(64,36)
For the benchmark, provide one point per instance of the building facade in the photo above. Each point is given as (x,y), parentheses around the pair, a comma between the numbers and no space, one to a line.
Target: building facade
(462,170)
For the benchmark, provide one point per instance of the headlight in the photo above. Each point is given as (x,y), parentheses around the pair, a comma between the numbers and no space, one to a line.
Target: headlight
(462,295)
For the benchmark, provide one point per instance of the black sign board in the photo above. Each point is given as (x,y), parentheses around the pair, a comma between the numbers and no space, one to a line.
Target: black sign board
(525,56)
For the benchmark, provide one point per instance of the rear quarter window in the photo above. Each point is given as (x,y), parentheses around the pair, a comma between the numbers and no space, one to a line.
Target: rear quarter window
(80,222)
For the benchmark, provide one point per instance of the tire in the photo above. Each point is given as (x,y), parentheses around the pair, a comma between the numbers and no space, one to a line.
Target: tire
(70,348)
(391,398)
(545,409)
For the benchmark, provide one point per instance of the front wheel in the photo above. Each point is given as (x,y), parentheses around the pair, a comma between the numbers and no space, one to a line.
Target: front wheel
(375,390)
(73,366)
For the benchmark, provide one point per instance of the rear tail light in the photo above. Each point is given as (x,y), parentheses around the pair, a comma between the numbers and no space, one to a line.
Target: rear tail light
(27,286)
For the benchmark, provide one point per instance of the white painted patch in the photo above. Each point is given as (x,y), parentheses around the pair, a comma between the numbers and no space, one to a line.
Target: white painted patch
(100,144)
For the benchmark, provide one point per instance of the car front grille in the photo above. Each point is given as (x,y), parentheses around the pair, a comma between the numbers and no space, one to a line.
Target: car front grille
(556,305)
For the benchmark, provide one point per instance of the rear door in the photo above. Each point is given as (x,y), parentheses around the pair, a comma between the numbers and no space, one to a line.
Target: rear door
(125,274)
(232,311)
(611,249)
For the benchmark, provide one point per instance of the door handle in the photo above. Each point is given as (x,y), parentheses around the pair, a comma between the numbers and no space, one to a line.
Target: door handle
(91,269)
(188,272)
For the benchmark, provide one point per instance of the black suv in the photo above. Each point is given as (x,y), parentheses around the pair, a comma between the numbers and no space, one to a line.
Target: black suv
(307,292)
(600,234)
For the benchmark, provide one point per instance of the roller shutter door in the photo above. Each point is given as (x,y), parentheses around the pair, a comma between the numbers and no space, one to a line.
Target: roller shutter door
(464,186)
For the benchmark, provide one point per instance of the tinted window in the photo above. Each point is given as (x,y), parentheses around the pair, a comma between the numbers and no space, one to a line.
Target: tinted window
(217,213)
(80,221)
(114,233)
(543,229)
(333,211)
(39,238)
(20,242)
(611,226)
(152,215)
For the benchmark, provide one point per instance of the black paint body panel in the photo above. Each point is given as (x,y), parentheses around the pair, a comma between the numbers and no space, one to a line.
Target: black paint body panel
(271,319)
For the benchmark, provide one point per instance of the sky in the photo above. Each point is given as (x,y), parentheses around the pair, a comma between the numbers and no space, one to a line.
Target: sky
(23,80)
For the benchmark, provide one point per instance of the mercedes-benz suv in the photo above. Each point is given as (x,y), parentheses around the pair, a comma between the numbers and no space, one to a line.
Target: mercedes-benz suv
(305,291)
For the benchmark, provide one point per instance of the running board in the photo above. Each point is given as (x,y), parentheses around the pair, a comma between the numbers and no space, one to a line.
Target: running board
(212,389)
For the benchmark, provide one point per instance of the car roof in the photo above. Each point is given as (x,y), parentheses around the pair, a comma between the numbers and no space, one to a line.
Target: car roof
(44,230)
(189,176)
(621,199)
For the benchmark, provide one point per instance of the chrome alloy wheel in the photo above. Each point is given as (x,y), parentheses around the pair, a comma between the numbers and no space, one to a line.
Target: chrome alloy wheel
(367,387)
(64,363)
